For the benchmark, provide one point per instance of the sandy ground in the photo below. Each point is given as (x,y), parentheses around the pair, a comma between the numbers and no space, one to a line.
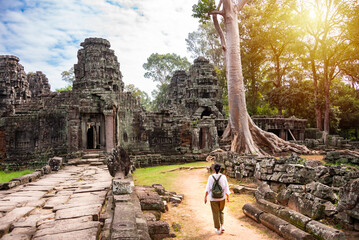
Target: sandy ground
(195,217)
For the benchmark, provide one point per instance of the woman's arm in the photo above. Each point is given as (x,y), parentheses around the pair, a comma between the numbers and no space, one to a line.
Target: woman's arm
(205,198)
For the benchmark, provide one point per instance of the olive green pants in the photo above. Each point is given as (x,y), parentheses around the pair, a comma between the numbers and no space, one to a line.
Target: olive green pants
(217,212)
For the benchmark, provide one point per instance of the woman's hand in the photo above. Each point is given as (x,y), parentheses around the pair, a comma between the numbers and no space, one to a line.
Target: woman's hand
(227,198)
(205,199)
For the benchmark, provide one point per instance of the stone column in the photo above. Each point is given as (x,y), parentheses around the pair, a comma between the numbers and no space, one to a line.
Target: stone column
(84,132)
(109,130)
(282,134)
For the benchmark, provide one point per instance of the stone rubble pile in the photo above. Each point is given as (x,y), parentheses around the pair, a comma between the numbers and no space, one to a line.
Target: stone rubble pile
(154,200)
(309,187)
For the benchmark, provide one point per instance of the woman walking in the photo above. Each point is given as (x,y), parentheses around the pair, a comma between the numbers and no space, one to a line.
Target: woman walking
(218,190)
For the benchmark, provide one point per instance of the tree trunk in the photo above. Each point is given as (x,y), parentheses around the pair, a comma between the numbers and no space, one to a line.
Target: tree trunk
(246,136)
(278,83)
(318,111)
(326,96)
(242,140)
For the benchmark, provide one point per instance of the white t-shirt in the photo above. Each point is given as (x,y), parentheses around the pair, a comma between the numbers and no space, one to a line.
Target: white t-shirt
(224,184)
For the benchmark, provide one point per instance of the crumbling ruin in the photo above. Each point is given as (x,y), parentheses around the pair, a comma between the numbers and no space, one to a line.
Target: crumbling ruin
(97,114)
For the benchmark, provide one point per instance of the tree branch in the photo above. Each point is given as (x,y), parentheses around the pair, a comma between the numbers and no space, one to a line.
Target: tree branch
(216,12)
(241,4)
(219,4)
(219,31)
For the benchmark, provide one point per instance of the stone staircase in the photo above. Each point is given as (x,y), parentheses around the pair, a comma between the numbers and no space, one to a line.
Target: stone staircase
(91,158)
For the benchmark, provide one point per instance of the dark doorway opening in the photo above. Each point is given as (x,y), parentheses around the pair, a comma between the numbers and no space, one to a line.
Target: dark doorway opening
(206,112)
(90,138)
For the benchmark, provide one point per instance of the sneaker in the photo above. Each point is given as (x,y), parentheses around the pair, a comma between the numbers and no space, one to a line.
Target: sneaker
(218,231)
(222,229)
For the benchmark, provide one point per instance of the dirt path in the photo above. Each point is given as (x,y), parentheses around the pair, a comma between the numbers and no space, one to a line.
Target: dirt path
(196,218)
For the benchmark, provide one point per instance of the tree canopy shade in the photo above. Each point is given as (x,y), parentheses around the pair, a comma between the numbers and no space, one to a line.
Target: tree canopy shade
(246,136)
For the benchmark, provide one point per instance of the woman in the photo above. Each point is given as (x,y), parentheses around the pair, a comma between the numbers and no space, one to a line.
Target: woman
(217,200)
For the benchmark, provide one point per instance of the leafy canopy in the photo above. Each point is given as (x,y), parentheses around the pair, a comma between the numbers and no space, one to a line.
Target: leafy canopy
(159,67)
(202,9)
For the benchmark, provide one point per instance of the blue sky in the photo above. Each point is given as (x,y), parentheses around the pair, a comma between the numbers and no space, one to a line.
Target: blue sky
(46,34)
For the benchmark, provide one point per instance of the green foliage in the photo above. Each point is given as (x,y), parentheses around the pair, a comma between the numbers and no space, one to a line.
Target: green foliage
(68,76)
(205,42)
(160,67)
(137,93)
(160,97)
(202,8)
(7,176)
(65,89)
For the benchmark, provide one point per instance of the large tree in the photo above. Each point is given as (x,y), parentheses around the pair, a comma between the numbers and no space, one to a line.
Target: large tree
(246,136)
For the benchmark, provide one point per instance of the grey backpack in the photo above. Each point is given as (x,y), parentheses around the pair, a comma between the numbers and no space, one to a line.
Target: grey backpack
(217,191)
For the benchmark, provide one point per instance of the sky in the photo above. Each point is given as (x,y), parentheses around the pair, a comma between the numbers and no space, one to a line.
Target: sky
(46,34)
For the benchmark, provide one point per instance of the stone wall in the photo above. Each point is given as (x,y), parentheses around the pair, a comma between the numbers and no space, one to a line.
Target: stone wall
(38,84)
(37,123)
(313,189)
(14,86)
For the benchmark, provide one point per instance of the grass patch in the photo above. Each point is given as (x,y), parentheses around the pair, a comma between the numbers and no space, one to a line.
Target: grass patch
(5,177)
(151,175)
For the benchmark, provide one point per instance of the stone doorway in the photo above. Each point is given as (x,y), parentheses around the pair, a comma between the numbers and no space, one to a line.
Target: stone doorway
(93,132)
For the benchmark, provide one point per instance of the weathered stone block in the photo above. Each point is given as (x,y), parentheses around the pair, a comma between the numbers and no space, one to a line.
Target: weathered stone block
(292,233)
(269,206)
(272,222)
(121,186)
(47,169)
(307,207)
(158,227)
(265,192)
(55,163)
(322,231)
(252,212)
(321,191)
(293,217)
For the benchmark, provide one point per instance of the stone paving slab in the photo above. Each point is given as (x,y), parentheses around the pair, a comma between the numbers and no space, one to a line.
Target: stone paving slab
(13,236)
(55,201)
(11,217)
(89,210)
(44,188)
(7,208)
(39,203)
(62,205)
(53,223)
(88,234)
(64,228)
(20,199)
(34,217)
(30,193)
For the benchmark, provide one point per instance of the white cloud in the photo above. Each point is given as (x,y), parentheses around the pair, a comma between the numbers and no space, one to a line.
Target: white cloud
(46,34)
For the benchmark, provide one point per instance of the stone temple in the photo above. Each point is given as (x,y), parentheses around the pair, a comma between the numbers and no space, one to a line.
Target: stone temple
(98,114)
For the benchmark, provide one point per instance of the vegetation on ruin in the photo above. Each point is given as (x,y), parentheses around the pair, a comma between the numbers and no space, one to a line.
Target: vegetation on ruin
(7,176)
